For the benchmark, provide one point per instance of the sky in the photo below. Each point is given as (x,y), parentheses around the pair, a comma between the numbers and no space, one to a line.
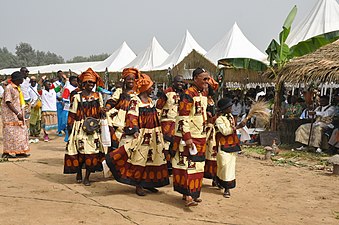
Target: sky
(86,27)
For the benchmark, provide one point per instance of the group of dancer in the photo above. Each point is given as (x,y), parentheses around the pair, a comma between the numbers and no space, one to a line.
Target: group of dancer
(182,133)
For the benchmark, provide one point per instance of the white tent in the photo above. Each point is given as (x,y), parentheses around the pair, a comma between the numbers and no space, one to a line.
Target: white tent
(234,45)
(117,61)
(74,67)
(323,18)
(8,71)
(184,48)
(150,58)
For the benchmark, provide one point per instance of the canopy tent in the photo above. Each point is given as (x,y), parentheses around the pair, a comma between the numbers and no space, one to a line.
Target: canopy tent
(324,18)
(117,60)
(151,57)
(184,47)
(74,67)
(8,71)
(234,45)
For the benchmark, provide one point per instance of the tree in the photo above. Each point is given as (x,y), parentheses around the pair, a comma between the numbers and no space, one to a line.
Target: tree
(26,54)
(7,59)
(91,58)
(279,54)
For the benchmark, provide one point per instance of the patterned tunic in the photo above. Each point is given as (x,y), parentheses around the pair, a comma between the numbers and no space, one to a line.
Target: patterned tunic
(117,115)
(81,147)
(15,133)
(140,161)
(188,170)
(228,144)
(168,104)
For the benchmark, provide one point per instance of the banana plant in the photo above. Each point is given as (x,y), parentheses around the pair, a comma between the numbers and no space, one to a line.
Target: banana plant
(278,55)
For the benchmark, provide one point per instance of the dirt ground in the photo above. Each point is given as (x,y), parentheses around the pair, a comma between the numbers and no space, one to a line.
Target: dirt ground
(35,191)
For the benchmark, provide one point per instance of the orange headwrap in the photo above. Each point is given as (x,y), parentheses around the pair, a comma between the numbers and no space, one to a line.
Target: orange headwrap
(144,83)
(90,75)
(128,71)
(213,83)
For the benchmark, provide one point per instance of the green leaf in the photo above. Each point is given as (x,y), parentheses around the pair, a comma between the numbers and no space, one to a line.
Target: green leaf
(273,51)
(289,19)
(284,34)
(312,44)
(243,63)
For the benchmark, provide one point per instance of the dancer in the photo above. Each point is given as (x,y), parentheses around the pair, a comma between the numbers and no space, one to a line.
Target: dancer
(141,161)
(227,144)
(188,166)
(167,104)
(84,148)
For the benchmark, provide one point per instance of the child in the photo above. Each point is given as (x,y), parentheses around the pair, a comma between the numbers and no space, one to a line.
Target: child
(49,120)
(228,145)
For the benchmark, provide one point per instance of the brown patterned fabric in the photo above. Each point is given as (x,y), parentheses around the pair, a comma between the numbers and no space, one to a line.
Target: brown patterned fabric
(15,134)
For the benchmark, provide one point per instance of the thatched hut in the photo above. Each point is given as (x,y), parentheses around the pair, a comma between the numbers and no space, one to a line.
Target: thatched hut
(231,73)
(191,62)
(321,65)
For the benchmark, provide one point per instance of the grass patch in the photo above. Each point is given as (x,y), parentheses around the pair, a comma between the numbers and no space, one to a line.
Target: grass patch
(254,149)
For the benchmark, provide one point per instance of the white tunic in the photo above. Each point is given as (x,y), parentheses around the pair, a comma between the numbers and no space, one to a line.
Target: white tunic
(48,99)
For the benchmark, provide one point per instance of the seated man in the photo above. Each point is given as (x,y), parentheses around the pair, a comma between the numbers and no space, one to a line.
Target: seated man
(324,115)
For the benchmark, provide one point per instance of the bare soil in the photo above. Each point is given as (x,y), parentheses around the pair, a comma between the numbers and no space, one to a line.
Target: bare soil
(34,190)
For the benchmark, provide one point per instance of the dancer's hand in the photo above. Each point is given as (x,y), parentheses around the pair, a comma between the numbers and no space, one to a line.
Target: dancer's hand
(189,143)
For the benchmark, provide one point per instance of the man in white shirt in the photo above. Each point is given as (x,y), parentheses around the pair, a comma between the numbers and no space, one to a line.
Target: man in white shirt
(25,85)
(324,115)
(237,109)
(60,111)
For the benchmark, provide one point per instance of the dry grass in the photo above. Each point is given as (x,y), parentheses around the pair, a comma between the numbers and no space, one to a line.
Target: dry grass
(260,110)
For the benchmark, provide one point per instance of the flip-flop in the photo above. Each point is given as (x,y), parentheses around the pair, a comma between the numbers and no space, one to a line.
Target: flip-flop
(227,195)
(191,203)
(198,200)
(87,183)
(153,190)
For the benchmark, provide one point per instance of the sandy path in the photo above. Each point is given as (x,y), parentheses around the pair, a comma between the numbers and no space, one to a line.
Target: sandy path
(34,191)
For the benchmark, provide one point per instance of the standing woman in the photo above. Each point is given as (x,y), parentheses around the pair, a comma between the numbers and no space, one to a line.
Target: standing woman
(210,170)
(141,162)
(118,105)
(15,135)
(84,148)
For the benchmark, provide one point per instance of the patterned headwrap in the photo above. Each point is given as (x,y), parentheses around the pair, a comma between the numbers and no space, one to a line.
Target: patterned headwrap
(213,83)
(128,71)
(90,75)
(144,83)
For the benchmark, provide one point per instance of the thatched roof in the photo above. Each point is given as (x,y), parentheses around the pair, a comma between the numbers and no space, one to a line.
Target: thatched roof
(321,65)
(244,76)
(192,61)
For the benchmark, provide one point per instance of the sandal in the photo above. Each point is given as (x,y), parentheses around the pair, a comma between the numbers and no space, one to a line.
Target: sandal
(87,183)
(227,193)
(79,178)
(152,189)
(140,191)
(191,203)
(198,200)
